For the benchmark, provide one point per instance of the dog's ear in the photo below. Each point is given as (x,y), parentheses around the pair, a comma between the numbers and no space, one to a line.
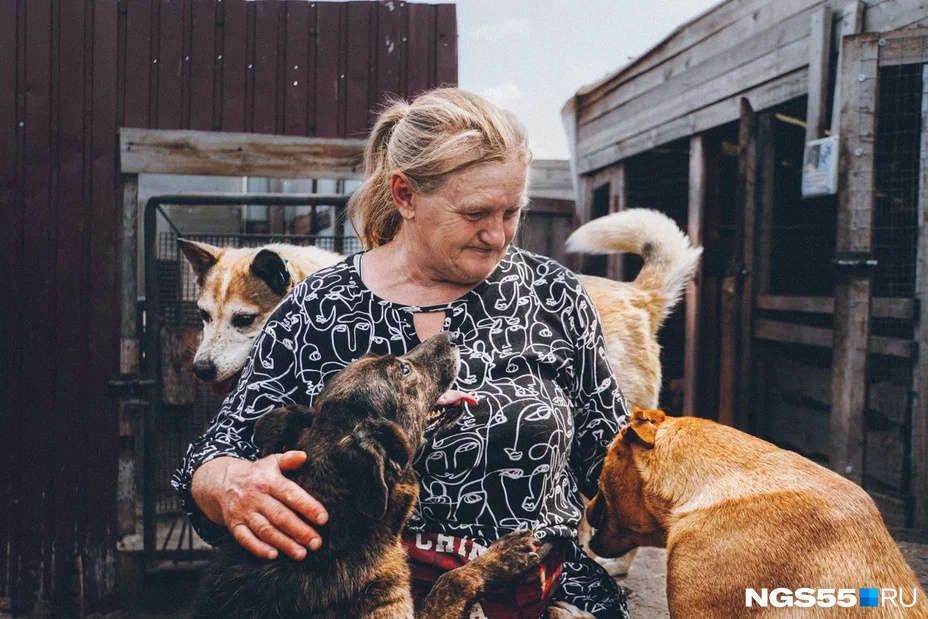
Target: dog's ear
(374,455)
(279,430)
(270,267)
(642,427)
(201,256)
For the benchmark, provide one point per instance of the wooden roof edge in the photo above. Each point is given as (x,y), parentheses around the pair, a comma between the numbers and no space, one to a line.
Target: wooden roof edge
(626,68)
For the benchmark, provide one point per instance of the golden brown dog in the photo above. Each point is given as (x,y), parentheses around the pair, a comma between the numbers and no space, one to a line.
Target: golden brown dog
(736,512)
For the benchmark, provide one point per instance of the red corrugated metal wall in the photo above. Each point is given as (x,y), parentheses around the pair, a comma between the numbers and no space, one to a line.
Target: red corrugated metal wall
(71,73)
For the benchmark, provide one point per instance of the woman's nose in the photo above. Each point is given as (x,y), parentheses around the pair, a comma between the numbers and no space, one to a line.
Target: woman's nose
(494,235)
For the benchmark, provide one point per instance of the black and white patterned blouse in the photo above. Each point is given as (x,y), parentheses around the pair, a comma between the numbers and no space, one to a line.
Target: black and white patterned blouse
(532,353)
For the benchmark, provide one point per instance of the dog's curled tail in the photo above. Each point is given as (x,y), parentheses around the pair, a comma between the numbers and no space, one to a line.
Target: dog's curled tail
(670,259)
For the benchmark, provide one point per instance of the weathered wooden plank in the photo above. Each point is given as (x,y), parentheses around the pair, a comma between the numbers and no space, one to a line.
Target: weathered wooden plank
(819,63)
(296,83)
(716,57)
(900,309)
(170,64)
(420,56)
(390,48)
(717,30)
(38,294)
(909,46)
(753,143)
(243,154)
(446,47)
(696,200)
(618,201)
(919,471)
(766,95)
(138,62)
(640,115)
(361,18)
(202,64)
(10,277)
(855,231)
(728,350)
(101,462)
(329,91)
(766,179)
(70,385)
(265,67)
(710,278)
(851,23)
(234,64)
(777,331)
(550,178)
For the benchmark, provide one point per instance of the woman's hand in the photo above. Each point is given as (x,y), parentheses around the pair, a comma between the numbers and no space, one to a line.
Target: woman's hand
(259,505)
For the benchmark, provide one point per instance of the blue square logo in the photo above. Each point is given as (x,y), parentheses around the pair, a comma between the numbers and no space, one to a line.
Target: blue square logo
(869,597)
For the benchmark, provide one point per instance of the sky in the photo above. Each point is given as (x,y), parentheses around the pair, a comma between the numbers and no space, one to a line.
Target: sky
(531,56)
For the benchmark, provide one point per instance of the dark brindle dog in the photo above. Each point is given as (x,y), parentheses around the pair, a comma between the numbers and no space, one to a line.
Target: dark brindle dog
(360,438)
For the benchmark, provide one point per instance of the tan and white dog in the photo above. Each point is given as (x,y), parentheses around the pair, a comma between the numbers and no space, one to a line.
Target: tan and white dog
(239,288)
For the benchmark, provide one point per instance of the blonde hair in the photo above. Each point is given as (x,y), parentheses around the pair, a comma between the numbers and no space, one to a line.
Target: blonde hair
(441,132)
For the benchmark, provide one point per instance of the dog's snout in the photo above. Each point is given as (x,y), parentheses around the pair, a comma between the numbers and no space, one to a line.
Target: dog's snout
(204,369)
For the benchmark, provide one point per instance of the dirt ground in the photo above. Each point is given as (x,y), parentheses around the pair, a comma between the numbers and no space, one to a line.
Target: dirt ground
(646,580)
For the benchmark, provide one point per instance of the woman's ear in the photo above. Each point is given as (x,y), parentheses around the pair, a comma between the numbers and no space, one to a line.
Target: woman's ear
(402,192)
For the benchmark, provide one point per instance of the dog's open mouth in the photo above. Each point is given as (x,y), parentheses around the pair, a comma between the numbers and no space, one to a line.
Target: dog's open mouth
(225,387)
(448,409)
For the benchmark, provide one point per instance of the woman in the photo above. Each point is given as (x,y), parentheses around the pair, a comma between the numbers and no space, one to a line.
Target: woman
(438,211)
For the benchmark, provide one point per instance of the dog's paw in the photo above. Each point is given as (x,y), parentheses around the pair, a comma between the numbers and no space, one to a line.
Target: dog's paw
(511,556)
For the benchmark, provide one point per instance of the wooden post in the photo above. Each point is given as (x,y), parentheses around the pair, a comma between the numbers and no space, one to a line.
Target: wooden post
(766,169)
(695,209)
(618,201)
(851,348)
(920,386)
(128,351)
(852,21)
(819,62)
(734,365)
(747,171)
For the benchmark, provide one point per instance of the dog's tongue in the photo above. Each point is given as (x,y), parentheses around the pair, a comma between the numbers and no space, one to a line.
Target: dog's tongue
(453,396)
(224,388)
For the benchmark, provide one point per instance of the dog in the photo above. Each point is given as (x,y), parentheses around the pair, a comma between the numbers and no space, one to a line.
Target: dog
(239,288)
(360,437)
(736,512)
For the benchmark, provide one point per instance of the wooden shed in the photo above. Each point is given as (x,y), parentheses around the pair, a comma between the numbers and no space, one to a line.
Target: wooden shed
(806,323)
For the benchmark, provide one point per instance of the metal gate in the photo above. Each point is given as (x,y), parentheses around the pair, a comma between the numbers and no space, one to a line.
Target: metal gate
(177,407)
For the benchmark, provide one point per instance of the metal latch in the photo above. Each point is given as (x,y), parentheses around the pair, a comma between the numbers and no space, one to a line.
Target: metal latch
(128,386)
(854,261)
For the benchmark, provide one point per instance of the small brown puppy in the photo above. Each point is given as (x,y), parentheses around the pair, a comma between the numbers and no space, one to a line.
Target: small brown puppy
(360,437)
(736,512)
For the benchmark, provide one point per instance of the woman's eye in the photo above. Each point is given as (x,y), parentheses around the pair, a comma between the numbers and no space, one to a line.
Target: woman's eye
(407,370)
(204,315)
(243,320)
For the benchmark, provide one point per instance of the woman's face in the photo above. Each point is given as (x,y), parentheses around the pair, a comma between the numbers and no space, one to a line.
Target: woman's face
(464,228)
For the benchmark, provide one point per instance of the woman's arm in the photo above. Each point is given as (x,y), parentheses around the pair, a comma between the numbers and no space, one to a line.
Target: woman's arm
(222,484)
(600,407)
